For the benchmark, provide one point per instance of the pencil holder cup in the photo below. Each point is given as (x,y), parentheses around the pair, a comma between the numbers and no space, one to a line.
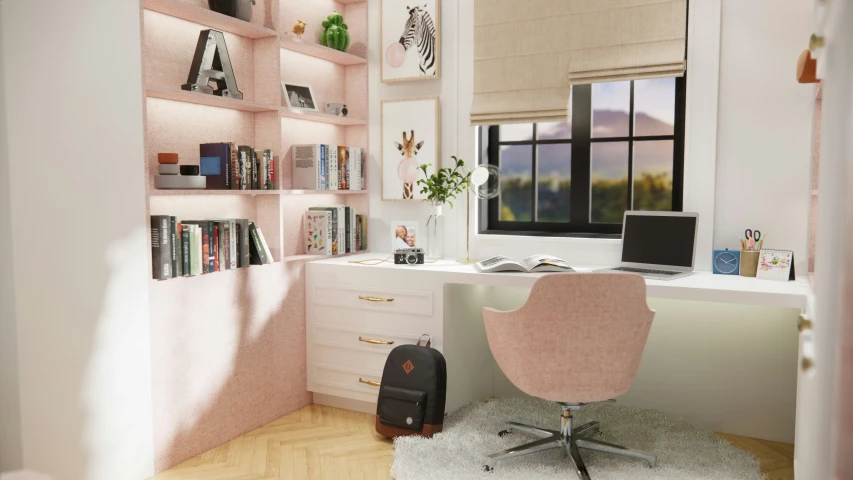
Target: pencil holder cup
(748,263)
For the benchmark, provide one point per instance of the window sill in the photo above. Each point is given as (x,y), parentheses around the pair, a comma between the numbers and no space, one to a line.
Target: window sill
(595,236)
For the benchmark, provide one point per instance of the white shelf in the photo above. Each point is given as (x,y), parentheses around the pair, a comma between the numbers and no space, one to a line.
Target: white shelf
(207,17)
(319,51)
(312,116)
(192,192)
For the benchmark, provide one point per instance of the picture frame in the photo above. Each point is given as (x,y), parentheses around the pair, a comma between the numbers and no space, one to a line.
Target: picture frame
(297,95)
(404,234)
(412,63)
(410,135)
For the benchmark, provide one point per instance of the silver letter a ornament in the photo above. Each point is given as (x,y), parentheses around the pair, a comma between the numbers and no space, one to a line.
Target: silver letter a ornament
(211,62)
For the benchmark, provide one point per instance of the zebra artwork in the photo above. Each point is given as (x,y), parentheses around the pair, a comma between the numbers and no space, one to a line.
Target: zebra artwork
(420,32)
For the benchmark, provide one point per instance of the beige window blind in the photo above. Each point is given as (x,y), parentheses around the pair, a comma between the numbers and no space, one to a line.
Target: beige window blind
(521,58)
(614,40)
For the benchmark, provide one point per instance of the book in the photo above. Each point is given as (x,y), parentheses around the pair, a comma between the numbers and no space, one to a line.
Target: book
(358,221)
(343,168)
(215,165)
(185,249)
(179,243)
(338,227)
(360,167)
(173,240)
(245,242)
(264,244)
(235,166)
(232,247)
(243,160)
(216,242)
(161,251)
(332,168)
(362,244)
(532,264)
(197,251)
(349,226)
(207,237)
(257,252)
(306,167)
(270,162)
(318,232)
(254,164)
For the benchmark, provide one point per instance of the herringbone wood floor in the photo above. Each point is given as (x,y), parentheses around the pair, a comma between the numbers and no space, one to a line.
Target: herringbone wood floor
(327,443)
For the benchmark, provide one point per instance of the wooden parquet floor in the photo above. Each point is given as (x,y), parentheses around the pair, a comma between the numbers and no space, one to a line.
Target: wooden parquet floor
(325,443)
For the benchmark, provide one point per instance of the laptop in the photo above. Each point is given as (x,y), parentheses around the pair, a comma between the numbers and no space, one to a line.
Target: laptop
(658,245)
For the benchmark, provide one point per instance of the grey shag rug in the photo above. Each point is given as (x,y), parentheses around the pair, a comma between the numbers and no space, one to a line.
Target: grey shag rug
(684,452)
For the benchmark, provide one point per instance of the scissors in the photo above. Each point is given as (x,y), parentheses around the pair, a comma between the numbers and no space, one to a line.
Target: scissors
(753,236)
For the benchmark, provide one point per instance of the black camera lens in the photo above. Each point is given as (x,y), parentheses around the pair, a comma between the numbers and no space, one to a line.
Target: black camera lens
(411,258)
(344,111)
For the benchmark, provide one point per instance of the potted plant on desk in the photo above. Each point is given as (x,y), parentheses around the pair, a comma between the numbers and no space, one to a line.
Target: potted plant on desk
(439,188)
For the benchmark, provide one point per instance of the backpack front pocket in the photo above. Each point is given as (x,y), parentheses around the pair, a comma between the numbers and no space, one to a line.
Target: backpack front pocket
(401,407)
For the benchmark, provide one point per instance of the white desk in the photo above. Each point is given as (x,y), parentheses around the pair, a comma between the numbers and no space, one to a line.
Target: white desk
(444,299)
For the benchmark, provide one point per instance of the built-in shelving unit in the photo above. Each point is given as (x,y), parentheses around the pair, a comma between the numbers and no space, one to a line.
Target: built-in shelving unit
(204,16)
(319,51)
(256,192)
(178,95)
(312,116)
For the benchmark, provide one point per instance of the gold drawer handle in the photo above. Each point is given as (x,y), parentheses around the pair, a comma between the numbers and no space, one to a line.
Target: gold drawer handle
(374,341)
(803,323)
(369,382)
(807,364)
(375,299)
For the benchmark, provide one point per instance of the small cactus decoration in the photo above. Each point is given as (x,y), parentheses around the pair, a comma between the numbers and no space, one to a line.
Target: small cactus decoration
(335,34)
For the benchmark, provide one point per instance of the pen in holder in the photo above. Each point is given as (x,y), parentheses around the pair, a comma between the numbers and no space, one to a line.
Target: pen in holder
(749,262)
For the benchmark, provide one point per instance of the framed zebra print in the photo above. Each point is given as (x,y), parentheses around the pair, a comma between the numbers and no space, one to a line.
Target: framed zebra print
(411,40)
(409,138)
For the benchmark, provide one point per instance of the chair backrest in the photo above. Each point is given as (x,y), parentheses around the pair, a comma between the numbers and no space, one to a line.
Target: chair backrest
(578,338)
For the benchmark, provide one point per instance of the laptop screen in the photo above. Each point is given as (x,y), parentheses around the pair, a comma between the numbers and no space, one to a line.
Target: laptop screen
(659,239)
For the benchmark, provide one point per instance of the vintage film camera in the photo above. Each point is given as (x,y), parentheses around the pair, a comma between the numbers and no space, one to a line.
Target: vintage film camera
(338,109)
(409,256)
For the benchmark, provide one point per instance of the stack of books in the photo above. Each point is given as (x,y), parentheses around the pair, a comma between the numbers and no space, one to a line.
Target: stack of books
(222,166)
(328,167)
(196,247)
(334,230)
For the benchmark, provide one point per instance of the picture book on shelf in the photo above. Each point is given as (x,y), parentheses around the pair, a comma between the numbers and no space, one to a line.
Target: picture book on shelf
(533,264)
(318,232)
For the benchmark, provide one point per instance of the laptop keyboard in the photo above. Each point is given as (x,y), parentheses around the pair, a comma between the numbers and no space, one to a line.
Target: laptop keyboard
(646,271)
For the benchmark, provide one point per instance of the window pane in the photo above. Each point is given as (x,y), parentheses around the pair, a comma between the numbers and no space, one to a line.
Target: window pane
(609,176)
(654,106)
(516,183)
(554,130)
(611,104)
(554,190)
(515,132)
(653,175)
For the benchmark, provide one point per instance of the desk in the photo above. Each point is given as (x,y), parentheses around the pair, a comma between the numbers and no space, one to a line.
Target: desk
(737,338)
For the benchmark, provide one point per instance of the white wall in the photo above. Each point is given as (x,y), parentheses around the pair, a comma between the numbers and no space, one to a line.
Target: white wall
(71,74)
(764,125)
(762,133)
(10,413)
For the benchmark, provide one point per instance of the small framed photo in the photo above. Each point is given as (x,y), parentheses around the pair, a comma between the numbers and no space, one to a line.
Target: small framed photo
(299,96)
(404,234)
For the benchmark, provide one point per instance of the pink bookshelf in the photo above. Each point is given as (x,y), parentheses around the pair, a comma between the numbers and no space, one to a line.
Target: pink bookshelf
(252,318)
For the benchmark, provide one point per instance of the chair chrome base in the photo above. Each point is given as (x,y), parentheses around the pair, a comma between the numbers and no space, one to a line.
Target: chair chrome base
(570,440)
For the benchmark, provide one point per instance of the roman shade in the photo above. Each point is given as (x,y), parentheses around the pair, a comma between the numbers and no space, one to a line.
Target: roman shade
(616,40)
(521,59)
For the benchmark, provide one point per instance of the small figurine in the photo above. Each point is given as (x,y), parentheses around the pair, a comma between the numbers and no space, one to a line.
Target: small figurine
(299,28)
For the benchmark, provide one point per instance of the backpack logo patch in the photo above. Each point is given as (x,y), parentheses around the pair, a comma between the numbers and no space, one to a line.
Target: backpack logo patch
(408,367)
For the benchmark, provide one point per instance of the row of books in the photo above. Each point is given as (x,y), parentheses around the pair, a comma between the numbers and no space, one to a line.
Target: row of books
(328,167)
(231,167)
(334,230)
(196,247)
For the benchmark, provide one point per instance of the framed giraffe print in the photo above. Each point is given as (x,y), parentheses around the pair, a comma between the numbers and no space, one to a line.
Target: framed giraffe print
(410,138)
(411,40)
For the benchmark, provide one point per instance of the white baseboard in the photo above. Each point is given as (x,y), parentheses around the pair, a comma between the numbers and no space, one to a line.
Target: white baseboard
(345,403)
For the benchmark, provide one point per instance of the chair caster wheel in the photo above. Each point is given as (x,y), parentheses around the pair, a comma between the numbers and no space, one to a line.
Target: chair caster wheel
(504,433)
(487,468)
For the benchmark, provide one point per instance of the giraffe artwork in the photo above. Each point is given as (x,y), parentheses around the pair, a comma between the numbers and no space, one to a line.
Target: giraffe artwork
(411,40)
(408,168)
(410,138)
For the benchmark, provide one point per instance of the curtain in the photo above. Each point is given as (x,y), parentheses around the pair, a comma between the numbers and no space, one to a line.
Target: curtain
(615,40)
(521,58)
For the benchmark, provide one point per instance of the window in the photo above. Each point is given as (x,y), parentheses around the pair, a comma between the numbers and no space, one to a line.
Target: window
(572,178)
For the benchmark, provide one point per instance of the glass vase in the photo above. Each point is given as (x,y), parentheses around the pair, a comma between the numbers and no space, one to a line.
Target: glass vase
(435,234)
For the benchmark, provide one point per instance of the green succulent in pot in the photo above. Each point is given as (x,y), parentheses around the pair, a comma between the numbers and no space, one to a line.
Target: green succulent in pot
(335,34)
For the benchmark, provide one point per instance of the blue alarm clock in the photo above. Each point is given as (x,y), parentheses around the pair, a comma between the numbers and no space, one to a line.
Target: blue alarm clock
(726,262)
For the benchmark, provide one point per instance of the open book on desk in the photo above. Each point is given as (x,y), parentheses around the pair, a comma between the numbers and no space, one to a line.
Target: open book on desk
(532,264)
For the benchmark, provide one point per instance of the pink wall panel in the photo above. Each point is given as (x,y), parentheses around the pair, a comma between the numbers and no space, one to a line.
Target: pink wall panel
(169,46)
(265,13)
(355,17)
(312,13)
(228,355)
(356,91)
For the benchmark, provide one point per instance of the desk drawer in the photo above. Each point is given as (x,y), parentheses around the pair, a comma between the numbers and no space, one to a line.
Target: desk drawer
(378,299)
(353,347)
(344,382)
(373,321)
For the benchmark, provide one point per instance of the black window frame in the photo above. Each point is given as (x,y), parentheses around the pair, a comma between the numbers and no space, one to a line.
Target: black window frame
(581,142)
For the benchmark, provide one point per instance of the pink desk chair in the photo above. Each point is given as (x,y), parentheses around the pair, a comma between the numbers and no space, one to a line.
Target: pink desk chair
(577,340)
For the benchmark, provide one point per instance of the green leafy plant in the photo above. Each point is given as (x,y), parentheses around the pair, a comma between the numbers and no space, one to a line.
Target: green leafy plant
(444,185)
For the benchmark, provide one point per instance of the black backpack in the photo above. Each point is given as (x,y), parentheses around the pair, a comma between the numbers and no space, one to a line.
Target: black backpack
(413,392)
